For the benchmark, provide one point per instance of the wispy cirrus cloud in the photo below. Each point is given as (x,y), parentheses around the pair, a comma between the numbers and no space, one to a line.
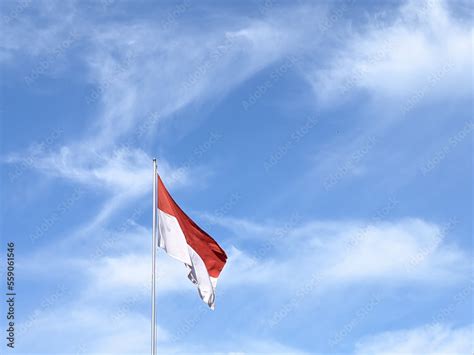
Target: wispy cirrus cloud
(142,73)
(123,170)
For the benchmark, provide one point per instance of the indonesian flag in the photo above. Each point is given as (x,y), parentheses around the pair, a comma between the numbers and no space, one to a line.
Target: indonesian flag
(182,239)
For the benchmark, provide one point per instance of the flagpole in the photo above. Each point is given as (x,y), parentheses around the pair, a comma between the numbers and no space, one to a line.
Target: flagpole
(153,263)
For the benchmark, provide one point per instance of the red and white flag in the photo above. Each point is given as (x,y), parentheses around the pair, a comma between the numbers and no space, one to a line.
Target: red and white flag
(182,239)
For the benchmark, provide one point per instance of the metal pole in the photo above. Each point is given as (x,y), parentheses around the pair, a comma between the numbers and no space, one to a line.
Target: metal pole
(153,270)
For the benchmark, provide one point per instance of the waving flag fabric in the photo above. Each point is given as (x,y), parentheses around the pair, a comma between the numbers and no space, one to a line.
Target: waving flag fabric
(182,239)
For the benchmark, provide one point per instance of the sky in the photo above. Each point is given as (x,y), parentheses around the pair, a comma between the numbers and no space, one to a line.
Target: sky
(325,145)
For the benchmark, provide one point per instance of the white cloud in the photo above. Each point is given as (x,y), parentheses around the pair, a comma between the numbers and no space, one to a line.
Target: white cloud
(82,328)
(123,170)
(249,346)
(142,73)
(437,339)
(414,56)
(394,60)
(346,252)
(409,251)
(104,304)
(126,273)
(341,253)
(405,250)
(141,68)
(125,173)
(29,31)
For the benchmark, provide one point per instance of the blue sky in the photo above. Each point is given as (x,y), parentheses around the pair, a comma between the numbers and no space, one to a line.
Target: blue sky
(327,146)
